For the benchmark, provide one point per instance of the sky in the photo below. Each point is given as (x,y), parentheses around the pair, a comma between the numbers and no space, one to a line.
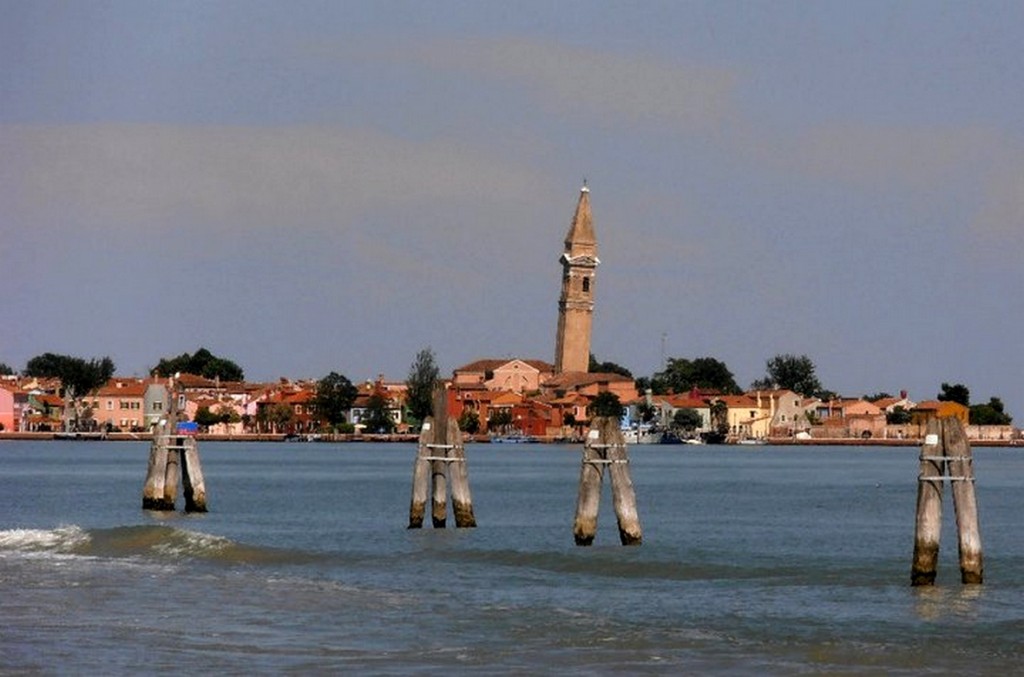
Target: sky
(306,187)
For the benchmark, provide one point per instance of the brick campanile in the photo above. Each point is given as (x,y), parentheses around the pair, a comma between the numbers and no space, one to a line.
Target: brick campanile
(576,303)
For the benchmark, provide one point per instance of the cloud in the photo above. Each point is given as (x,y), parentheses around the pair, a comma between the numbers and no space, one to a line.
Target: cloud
(594,85)
(997,229)
(148,176)
(872,156)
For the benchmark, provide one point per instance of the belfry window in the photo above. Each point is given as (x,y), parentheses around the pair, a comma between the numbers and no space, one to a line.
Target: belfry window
(586,284)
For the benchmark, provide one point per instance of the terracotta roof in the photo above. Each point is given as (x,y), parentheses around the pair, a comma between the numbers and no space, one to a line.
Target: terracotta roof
(116,387)
(738,401)
(684,402)
(491,364)
(576,379)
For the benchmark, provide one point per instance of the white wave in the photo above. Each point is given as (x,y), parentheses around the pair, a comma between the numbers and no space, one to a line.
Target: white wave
(62,539)
(188,543)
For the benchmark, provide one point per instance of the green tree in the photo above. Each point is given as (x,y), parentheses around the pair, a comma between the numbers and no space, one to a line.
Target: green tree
(720,417)
(596,367)
(201,363)
(206,418)
(682,375)
(646,411)
(606,404)
(499,420)
(334,397)
(687,419)
(469,421)
(955,393)
(77,376)
(5,370)
(377,417)
(423,378)
(281,417)
(898,416)
(228,414)
(990,414)
(790,372)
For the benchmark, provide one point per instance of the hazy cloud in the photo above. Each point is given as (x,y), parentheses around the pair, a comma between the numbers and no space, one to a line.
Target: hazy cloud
(132,176)
(998,228)
(595,85)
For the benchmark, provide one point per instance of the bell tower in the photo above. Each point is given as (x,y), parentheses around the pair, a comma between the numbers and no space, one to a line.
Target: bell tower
(576,303)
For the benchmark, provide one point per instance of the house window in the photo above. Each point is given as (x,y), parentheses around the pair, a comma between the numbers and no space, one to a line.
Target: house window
(110,405)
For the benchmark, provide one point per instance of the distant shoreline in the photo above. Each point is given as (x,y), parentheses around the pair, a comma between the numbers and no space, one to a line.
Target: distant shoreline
(413,438)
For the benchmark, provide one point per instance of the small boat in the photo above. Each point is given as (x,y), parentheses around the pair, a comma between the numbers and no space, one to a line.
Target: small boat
(642,436)
(751,441)
(514,438)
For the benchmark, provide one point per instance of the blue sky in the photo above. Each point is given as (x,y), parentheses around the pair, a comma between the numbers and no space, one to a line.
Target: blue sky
(307,187)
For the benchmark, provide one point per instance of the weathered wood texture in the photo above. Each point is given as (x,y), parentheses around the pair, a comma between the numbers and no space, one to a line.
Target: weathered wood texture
(440,461)
(173,475)
(421,476)
(965,505)
(458,474)
(153,491)
(192,478)
(606,446)
(928,522)
(946,454)
(438,468)
(588,500)
(623,493)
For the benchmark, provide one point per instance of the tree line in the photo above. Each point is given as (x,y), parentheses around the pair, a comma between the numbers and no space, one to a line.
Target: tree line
(335,393)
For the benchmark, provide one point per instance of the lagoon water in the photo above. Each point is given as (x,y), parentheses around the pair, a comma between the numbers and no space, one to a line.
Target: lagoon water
(772,561)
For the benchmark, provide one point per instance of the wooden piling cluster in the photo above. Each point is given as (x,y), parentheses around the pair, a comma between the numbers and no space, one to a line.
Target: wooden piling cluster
(440,461)
(605,446)
(946,455)
(173,459)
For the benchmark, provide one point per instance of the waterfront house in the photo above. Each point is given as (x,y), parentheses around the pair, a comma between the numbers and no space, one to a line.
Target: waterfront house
(7,420)
(668,405)
(746,417)
(119,404)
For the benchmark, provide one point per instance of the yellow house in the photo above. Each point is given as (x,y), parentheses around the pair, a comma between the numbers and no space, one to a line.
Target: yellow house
(747,417)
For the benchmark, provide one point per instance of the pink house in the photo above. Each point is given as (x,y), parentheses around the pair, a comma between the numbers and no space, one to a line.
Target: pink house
(6,410)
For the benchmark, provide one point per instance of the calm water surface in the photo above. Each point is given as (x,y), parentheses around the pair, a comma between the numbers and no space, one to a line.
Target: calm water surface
(772,561)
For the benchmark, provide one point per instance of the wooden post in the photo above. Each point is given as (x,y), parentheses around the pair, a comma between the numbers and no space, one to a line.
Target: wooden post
(965,506)
(438,466)
(421,475)
(623,494)
(156,475)
(928,523)
(173,458)
(588,500)
(606,446)
(946,454)
(462,499)
(192,478)
(173,474)
(440,459)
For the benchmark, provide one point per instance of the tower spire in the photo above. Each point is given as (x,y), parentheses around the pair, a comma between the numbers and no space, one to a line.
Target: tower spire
(576,303)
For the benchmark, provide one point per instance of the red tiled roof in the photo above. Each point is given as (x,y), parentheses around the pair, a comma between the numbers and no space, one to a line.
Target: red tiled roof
(576,379)
(490,364)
